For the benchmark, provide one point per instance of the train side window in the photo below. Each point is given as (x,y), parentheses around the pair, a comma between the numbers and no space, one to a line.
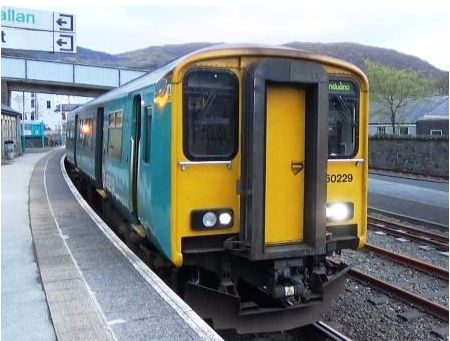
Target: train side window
(210,120)
(115,134)
(90,134)
(81,136)
(147,133)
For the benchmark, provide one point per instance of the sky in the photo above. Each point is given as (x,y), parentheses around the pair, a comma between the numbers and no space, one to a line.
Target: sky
(419,28)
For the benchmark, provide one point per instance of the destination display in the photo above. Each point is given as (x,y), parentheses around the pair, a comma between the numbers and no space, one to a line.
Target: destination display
(35,30)
(341,87)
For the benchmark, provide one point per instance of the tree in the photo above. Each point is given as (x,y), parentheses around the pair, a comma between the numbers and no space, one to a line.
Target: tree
(441,85)
(394,88)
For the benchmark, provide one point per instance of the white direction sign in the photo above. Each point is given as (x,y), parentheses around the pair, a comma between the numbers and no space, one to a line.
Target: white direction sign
(16,38)
(38,30)
(24,18)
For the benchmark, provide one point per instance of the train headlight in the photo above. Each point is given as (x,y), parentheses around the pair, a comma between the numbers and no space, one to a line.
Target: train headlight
(225,218)
(212,218)
(209,219)
(340,211)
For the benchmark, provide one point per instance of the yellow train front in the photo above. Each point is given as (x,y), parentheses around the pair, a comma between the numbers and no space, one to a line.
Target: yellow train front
(245,166)
(270,147)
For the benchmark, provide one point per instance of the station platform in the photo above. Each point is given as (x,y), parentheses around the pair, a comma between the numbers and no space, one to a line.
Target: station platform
(87,284)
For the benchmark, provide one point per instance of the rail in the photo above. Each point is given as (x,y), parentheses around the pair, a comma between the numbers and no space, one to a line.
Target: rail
(437,239)
(413,220)
(321,331)
(419,265)
(435,309)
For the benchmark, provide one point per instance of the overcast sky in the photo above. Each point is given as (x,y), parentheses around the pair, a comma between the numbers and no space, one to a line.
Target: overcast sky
(419,28)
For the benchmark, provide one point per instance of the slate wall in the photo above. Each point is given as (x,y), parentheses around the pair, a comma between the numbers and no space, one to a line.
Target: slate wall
(414,154)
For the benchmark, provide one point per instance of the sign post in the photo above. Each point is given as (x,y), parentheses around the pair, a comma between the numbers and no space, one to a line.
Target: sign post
(38,30)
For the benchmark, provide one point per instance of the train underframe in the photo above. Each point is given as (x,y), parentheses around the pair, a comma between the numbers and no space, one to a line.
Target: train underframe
(259,296)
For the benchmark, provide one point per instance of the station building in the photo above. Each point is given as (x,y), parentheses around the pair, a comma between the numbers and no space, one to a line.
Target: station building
(11,131)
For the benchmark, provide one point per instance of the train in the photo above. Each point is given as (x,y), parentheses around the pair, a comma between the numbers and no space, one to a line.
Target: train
(244,167)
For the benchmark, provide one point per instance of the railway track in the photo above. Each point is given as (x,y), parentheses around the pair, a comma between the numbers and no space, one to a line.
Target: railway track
(419,265)
(435,309)
(438,240)
(412,220)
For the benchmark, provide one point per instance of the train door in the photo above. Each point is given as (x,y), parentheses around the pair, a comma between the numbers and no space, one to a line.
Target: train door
(285,157)
(75,139)
(99,147)
(135,148)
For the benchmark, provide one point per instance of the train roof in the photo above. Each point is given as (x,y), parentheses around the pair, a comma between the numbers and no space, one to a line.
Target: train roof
(220,51)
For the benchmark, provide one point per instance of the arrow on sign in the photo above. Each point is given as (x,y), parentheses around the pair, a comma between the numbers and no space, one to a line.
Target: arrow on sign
(65,40)
(61,22)
(61,42)
(65,25)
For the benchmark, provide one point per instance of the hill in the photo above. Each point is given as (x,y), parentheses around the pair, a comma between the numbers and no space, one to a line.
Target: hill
(153,57)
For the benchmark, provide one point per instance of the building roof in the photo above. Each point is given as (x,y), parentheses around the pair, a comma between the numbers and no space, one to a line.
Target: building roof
(440,110)
(433,118)
(66,107)
(414,110)
(9,111)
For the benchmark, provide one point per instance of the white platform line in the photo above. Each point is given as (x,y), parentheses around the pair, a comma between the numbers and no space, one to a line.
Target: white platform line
(91,293)
(204,331)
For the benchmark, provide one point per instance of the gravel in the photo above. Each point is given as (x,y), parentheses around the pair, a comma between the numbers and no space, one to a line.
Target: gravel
(399,275)
(409,248)
(362,313)
(354,316)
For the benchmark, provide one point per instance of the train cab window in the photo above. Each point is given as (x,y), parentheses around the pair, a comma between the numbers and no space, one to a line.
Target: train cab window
(210,115)
(342,119)
(115,121)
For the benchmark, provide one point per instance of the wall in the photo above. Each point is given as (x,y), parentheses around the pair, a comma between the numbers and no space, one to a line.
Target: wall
(413,154)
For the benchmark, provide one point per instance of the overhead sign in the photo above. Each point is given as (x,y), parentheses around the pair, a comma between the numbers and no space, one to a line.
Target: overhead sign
(38,30)
(16,38)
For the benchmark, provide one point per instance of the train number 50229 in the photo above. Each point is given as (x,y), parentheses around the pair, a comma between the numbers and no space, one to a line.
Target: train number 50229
(339,178)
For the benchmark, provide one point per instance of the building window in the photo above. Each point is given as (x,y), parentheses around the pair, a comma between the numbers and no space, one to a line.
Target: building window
(381,130)
(436,132)
(115,134)
(32,103)
(49,105)
(403,130)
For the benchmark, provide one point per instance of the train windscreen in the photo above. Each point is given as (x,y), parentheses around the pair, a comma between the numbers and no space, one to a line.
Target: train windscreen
(210,115)
(342,119)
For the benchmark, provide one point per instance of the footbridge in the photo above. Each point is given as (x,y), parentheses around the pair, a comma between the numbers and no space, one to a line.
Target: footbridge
(21,74)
